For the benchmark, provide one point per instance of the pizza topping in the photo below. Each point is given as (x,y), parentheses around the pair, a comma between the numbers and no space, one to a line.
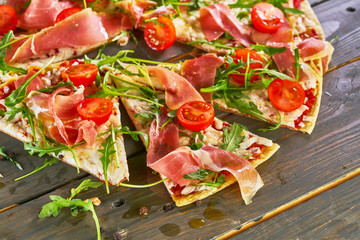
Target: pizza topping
(86,131)
(66,13)
(41,14)
(163,140)
(286,95)
(266,18)
(74,32)
(95,109)
(160,34)
(81,74)
(310,47)
(201,71)
(217,19)
(196,115)
(8,19)
(175,86)
(244,55)
(34,85)
(286,61)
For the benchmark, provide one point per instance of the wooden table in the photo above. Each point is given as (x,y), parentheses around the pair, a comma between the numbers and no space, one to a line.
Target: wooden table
(311,184)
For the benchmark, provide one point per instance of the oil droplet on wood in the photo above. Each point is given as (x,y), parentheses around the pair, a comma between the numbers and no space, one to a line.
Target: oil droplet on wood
(213,214)
(2,185)
(197,223)
(170,229)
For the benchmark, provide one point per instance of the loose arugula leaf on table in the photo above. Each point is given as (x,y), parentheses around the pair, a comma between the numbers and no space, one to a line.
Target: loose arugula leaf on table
(268,50)
(5,44)
(232,138)
(10,159)
(53,208)
(47,163)
(18,95)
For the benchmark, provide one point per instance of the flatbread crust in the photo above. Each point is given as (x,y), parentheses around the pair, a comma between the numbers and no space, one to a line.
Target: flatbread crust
(143,125)
(88,157)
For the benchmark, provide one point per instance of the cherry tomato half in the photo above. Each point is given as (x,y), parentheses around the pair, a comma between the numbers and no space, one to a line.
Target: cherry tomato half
(243,54)
(160,34)
(196,115)
(266,18)
(8,19)
(95,109)
(286,95)
(81,74)
(66,13)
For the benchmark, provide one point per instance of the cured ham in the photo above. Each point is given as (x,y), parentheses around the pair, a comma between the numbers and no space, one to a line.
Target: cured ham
(34,85)
(137,8)
(183,161)
(175,87)
(200,72)
(217,19)
(40,14)
(310,47)
(73,32)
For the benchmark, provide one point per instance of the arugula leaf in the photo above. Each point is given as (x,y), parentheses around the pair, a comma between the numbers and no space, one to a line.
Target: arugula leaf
(61,84)
(268,50)
(84,185)
(53,208)
(293,11)
(10,159)
(271,128)
(12,112)
(297,63)
(5,44)
(218,181)
(145,115)
(30,117)
(244,3)
(134,134)
(47,163)
(199,175)
(233,138)
(105,159)
(19,94)
(35,148)
(274,73)
(196,146)
(213,43)
(285,10)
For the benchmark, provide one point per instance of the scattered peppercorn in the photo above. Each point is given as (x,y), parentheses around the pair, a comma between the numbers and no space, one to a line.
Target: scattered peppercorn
(120,235)
(2,157)
(119,202)
(143,211)
(12,154)
(61,156)
(168,207)
(102,229)
(198,203)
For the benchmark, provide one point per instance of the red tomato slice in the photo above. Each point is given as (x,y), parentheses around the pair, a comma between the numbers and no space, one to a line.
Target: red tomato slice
(8,19)
(95,109)
(266,18)
(196,115)
(81,74)
(286,95)
(161,34)
(243,54)
(66,13)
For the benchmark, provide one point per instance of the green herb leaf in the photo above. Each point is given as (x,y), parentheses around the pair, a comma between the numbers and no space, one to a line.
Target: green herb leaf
(268,50)
(274,73)
(244,3)
(53,88)
(271,128)
(35,148)
(196,146)
(19,94)
(10,159)
(105,159)
(233,138)
(213,43)
(293,11)
(84,185)
(218,181)
(5,44)
(47,163)
(199,175)
(297,63)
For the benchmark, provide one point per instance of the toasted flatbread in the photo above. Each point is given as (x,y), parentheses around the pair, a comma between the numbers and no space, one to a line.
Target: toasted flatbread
(87,157)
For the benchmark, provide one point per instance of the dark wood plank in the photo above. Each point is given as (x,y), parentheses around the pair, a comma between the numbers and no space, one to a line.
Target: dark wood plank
(334,214)
(302,164)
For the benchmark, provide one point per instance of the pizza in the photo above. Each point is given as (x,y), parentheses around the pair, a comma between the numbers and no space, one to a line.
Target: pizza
(265,60)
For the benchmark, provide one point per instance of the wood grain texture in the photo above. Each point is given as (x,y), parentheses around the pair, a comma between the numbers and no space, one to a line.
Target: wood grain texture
(334,214)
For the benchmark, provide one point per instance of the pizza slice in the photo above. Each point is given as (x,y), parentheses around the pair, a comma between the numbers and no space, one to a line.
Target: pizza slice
(59,28)
(51,110)
(197,153)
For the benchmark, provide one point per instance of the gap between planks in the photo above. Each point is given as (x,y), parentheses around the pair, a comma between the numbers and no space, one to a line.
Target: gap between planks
(289,205)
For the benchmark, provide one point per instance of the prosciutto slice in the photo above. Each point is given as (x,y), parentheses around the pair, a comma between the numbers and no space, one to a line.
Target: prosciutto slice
(310,47)
(184,161)
(162,140)
(177,89)
(200,72)
(217,19)
(34,85)
(73,32)
(41,14)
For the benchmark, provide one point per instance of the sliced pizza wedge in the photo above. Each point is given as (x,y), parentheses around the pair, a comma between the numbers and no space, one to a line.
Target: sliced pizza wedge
(51,110)
(201,157)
